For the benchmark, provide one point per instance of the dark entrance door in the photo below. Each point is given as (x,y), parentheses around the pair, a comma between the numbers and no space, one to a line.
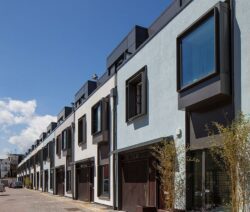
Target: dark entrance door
(138,181)
(207,184)
(60,181)
(37,181)
(46,179)
(85,182)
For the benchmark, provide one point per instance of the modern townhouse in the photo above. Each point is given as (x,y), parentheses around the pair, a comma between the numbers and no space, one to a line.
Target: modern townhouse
(49,159)
(94,141)
(63,152)
(167,82)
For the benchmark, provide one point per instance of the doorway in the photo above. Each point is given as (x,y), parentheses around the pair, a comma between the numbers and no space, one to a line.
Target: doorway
(85,182)
(46,179)
(208,186)
(60,181)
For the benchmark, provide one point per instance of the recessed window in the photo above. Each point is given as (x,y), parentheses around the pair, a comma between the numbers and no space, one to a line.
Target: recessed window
(68,181)
(82,130)
(103,170)
(97,118)
(64,139)
(51,179)
(197,52)
(104,180)
(58,145)
(136,95)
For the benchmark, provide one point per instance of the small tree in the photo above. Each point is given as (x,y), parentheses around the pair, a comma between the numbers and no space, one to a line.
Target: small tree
(234,154)
(170,159)
(166,154)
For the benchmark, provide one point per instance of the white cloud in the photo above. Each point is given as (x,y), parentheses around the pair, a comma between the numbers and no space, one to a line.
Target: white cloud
(14,113)
(32,132)
(4,153)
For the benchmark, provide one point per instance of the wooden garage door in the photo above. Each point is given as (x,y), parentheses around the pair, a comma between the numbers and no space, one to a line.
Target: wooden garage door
(84,184)
(60,182)
(134,184)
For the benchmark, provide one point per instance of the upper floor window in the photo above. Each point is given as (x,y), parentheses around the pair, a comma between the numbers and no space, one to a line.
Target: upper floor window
(97,118)
(64,139)
(197,51)
(82,130)
(136,95)
(58,145)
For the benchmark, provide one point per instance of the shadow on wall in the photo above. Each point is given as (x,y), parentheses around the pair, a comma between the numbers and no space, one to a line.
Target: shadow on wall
(236,48)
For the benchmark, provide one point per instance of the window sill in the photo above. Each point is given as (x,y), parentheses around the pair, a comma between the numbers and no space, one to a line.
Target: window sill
(104,197)
(132,119)
(201,80)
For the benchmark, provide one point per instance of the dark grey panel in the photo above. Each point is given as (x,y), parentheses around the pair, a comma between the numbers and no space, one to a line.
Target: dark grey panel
(85,90)
(65,112)
(173,10)
(200,121)
(131,42)
(216,86)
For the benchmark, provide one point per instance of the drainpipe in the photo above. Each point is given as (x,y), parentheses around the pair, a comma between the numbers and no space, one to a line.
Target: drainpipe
(232,16)
(115,162)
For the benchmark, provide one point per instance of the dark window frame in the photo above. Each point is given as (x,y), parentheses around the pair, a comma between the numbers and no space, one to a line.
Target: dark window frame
(131,92)
(64,139)
(103,151)
(59,145)
(98,104)
(211,13)
(82,137)
(51,183)
(68,180)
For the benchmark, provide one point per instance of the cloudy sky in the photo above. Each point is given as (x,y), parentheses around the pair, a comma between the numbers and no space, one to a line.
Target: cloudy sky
(48,49)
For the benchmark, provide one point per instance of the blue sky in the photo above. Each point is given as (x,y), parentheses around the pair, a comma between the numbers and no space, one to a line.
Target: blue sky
(49,48)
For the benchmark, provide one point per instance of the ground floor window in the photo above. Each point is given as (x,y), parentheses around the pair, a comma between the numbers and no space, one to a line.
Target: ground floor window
(104,180)
(208,185)
(51,181)
(41,181)
(68,182)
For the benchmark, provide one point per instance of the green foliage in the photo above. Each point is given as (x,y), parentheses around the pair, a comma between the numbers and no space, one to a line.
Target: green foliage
(234,153)
(27,182)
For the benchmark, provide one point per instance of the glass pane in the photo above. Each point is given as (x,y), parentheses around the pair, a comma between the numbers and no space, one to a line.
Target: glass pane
(217,188)
(198,53)
(197,180)
(105,179)
(99,118)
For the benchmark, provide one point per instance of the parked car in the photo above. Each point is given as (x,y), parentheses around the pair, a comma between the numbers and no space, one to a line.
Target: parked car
(2,187)
(17,184)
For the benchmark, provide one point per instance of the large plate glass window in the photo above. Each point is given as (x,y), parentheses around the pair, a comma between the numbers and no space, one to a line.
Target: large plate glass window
(197,51)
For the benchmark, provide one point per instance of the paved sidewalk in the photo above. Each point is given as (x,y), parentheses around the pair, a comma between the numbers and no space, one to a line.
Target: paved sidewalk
(25,200)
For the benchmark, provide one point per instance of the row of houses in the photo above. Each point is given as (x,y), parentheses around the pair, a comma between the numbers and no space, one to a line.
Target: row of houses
(189,68)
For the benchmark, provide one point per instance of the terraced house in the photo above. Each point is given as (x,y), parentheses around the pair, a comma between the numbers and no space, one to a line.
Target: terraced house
(169,81)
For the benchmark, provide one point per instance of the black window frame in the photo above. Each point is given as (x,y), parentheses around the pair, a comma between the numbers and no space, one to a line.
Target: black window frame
(51,183)
(64,138)
(211,13)
(140,77)
(93,114)
(68,180)
(59,145)
(82,130)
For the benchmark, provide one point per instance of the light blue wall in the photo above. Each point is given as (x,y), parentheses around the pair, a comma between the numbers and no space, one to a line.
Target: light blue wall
(242,55)
(160,57)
